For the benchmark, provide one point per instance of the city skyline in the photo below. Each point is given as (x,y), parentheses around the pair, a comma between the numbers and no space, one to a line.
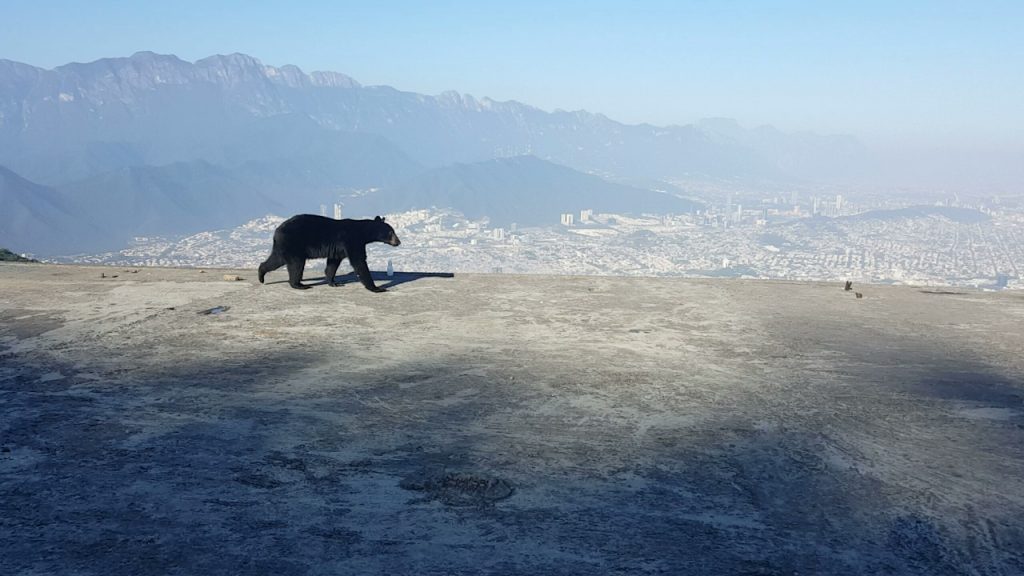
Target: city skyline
(797,236)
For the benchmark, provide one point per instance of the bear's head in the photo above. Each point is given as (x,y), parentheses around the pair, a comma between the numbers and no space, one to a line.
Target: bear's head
(384,232)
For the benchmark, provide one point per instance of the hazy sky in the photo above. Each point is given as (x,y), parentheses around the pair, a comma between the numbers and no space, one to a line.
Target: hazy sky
(917,71)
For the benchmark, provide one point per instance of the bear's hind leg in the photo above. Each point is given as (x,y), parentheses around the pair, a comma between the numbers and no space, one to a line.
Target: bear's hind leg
(295,268)
(272,263)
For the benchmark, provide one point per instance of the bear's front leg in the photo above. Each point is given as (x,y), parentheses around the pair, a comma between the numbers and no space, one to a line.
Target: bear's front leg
(363,271)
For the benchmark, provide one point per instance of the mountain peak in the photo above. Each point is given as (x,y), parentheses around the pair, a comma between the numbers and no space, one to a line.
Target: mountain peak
(332,80)
(233,59)
(149,55)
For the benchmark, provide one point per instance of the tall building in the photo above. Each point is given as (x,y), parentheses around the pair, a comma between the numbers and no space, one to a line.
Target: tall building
(323,209)
(839,202)
(567,219)
(337,211)
(585,215)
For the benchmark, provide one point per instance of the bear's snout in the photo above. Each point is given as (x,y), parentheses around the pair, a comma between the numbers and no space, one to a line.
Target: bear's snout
(394,241)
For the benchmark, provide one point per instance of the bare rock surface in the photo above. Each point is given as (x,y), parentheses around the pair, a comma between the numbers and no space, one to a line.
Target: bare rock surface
(493,424)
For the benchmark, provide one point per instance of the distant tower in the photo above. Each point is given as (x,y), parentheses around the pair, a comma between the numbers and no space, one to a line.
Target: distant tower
(567,219)
(323,209)
(839,202)
(585,215)
(498,233)
(337,211)
(739,212)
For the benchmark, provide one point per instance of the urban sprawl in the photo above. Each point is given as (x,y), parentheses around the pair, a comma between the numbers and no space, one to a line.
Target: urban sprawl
(811,238)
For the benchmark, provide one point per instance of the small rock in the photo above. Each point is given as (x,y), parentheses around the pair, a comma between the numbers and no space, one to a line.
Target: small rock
(232,277)
(858,294)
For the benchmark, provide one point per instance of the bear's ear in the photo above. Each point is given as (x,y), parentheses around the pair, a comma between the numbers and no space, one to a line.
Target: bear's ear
(379,219)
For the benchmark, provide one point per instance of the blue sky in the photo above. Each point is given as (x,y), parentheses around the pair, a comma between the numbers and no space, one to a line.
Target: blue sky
(896,71)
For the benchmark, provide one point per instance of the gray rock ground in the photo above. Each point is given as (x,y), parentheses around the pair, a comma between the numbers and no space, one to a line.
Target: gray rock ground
(505,425)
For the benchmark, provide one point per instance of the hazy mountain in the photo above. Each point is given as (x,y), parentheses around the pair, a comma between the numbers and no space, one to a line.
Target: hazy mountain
(840,227)
(952,213)
(160,109)
(299,152)
(8,256)
(37,219)
(167,108)
(176,198)
(524,189)
(59,166)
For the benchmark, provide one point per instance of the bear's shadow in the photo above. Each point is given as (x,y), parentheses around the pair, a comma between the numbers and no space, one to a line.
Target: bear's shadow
(378,277)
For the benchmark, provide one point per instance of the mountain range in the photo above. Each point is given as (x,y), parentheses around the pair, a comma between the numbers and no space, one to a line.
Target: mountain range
(152,144)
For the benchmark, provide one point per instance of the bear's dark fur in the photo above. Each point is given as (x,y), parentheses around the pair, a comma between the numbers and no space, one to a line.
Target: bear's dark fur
(309,236)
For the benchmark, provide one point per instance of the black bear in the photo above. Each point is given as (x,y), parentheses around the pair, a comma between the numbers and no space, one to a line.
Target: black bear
(310,236)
